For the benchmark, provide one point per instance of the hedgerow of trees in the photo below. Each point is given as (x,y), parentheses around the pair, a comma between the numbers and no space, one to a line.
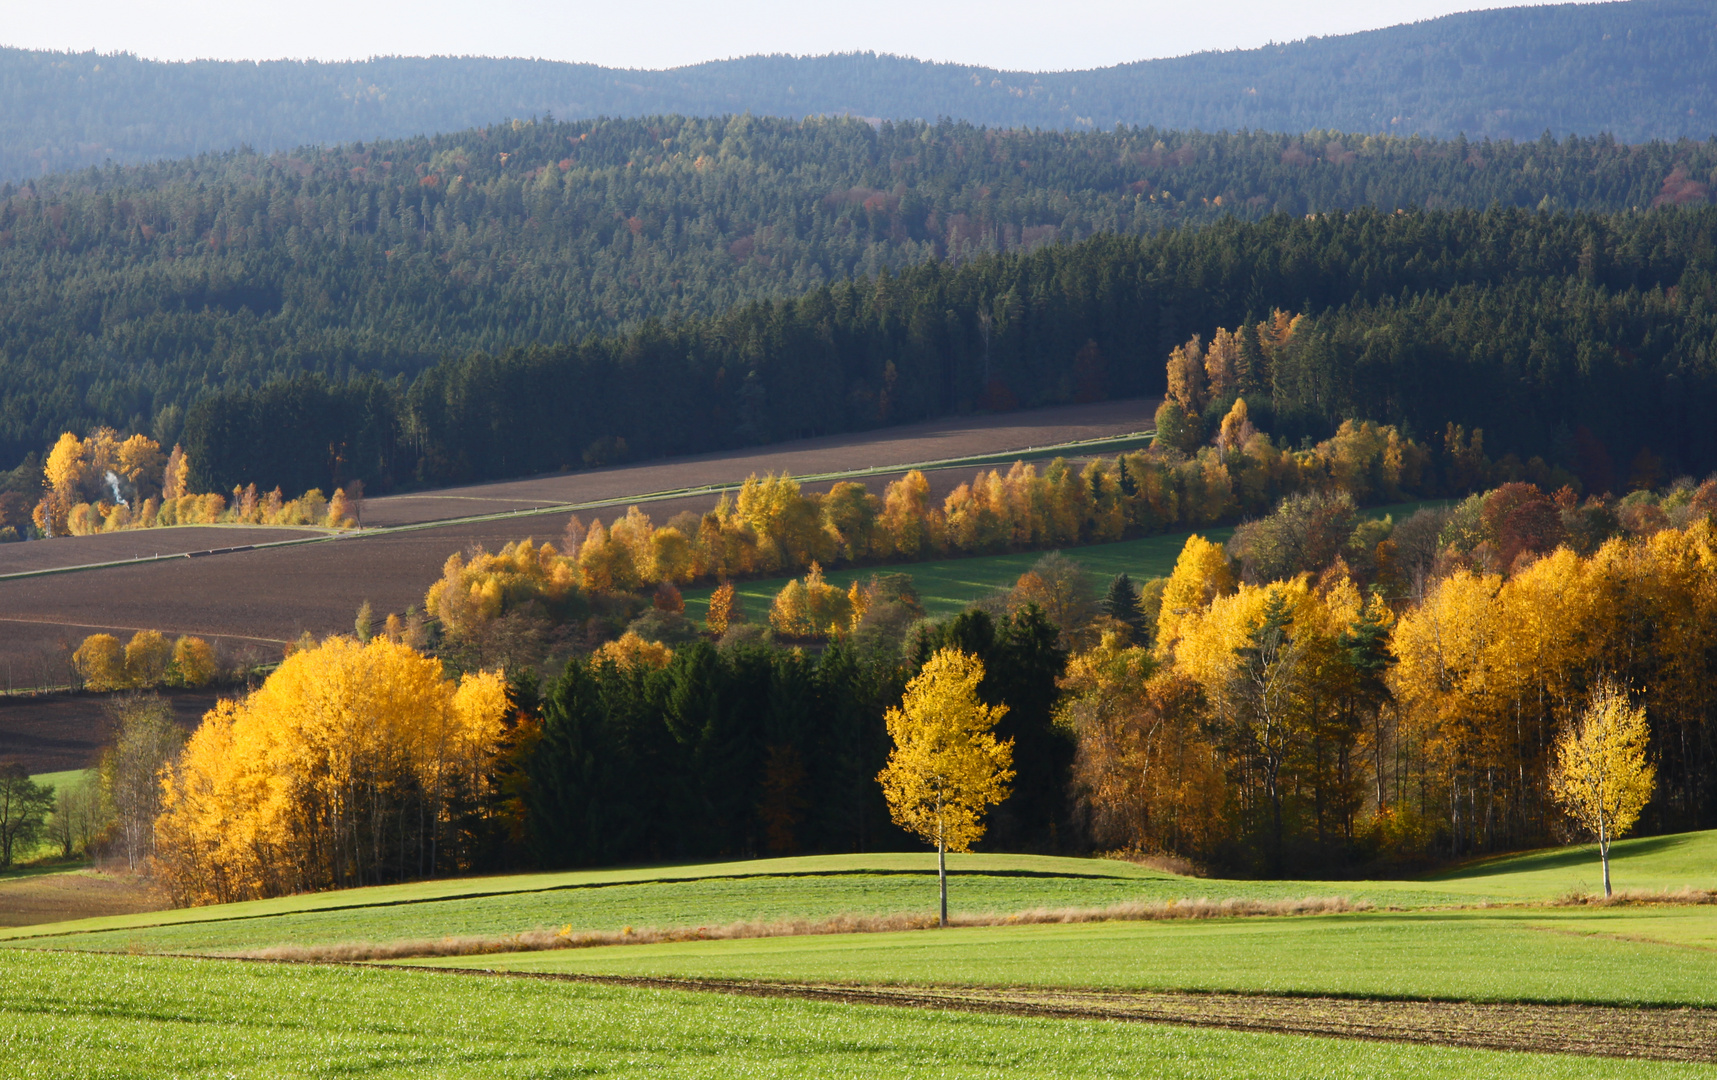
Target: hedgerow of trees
(1403,694)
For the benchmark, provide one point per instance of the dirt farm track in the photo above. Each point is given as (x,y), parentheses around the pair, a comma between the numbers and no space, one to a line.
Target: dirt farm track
(255,598)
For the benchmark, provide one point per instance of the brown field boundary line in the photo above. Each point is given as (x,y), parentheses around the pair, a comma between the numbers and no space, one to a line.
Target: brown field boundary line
(1682,1034)
(1109,442)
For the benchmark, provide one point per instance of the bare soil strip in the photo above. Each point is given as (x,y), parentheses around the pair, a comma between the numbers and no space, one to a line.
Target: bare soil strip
(28,899)
(1656,1034)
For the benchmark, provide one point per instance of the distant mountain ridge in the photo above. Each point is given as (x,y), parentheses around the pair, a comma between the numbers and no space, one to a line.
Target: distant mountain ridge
(1638,70)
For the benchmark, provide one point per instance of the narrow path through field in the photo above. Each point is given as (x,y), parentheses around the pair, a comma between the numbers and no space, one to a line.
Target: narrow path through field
(1659,1034)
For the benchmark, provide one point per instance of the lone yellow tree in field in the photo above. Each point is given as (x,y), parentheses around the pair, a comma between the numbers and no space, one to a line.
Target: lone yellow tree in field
(1601,776)
(946,767)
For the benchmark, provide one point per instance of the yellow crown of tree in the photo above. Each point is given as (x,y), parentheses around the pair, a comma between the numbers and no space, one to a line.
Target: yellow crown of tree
(1602,777)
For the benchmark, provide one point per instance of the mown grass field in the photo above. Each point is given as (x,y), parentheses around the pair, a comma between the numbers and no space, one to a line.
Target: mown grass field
(705,902)
(89,1009)
(114,1016)
(819,886)
(1532,955)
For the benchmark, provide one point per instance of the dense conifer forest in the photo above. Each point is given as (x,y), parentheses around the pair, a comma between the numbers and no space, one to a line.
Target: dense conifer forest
(1581,338)
(1638,70)
(397,272)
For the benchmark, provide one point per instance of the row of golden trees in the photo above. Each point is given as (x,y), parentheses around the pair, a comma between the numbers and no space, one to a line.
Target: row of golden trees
(147,661)
(1301,716)
(774,526)
(105,484)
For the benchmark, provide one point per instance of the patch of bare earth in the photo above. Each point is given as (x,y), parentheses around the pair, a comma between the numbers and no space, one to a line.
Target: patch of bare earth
(30,899)
(1659,1034)
(51,732)
(136,544)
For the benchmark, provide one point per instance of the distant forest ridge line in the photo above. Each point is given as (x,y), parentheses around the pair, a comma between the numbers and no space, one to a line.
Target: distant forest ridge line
(1638,70)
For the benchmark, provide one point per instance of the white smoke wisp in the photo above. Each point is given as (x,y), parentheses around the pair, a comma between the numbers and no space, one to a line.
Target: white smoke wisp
(113,482)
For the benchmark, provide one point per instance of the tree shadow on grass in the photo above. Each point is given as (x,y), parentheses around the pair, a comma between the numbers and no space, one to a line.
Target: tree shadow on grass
(1564,858)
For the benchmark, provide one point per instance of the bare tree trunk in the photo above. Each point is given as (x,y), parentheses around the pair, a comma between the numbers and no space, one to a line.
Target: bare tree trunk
(942,875)
(942,858)
(1604,851)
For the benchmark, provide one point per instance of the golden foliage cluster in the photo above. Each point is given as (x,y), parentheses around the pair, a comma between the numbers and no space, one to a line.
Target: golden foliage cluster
(146,661)
(1489,703)
(631,651)
(471,591)
(104,484)
(947,767)
(811,607)
(351,765)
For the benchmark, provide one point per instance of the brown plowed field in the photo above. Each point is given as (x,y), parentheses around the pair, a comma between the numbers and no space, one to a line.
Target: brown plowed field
(33,898)
(936,440)
(252,602)
(1661,1034)
(56,732)
(138,544)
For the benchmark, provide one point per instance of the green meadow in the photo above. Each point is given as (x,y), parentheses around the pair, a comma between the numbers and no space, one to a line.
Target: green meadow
(86,998)
(99,1016)
(60,779)
(948,586)
(811,887)
(1533,955)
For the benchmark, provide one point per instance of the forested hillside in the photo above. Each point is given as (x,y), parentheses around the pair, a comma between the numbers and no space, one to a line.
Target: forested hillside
(1637,70)
(126,295)
(1581,338)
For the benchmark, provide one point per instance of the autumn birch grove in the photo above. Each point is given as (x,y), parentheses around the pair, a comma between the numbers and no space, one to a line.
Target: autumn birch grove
(351,765)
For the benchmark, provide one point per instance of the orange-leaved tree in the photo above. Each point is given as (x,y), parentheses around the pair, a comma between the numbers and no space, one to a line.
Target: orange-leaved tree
(947,767)
(724,609)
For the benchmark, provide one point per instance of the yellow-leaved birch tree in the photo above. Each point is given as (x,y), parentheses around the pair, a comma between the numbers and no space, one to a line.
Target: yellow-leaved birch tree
(947,767)
(1602,776)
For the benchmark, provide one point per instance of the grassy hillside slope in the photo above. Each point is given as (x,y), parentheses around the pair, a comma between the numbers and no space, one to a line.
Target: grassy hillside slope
(821,886)
(117,1016)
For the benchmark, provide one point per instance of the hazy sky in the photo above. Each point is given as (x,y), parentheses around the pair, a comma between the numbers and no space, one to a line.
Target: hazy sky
(1015,34)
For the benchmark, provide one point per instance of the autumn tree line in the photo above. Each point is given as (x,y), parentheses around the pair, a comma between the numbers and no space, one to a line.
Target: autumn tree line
(492,605)
(1326,693)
